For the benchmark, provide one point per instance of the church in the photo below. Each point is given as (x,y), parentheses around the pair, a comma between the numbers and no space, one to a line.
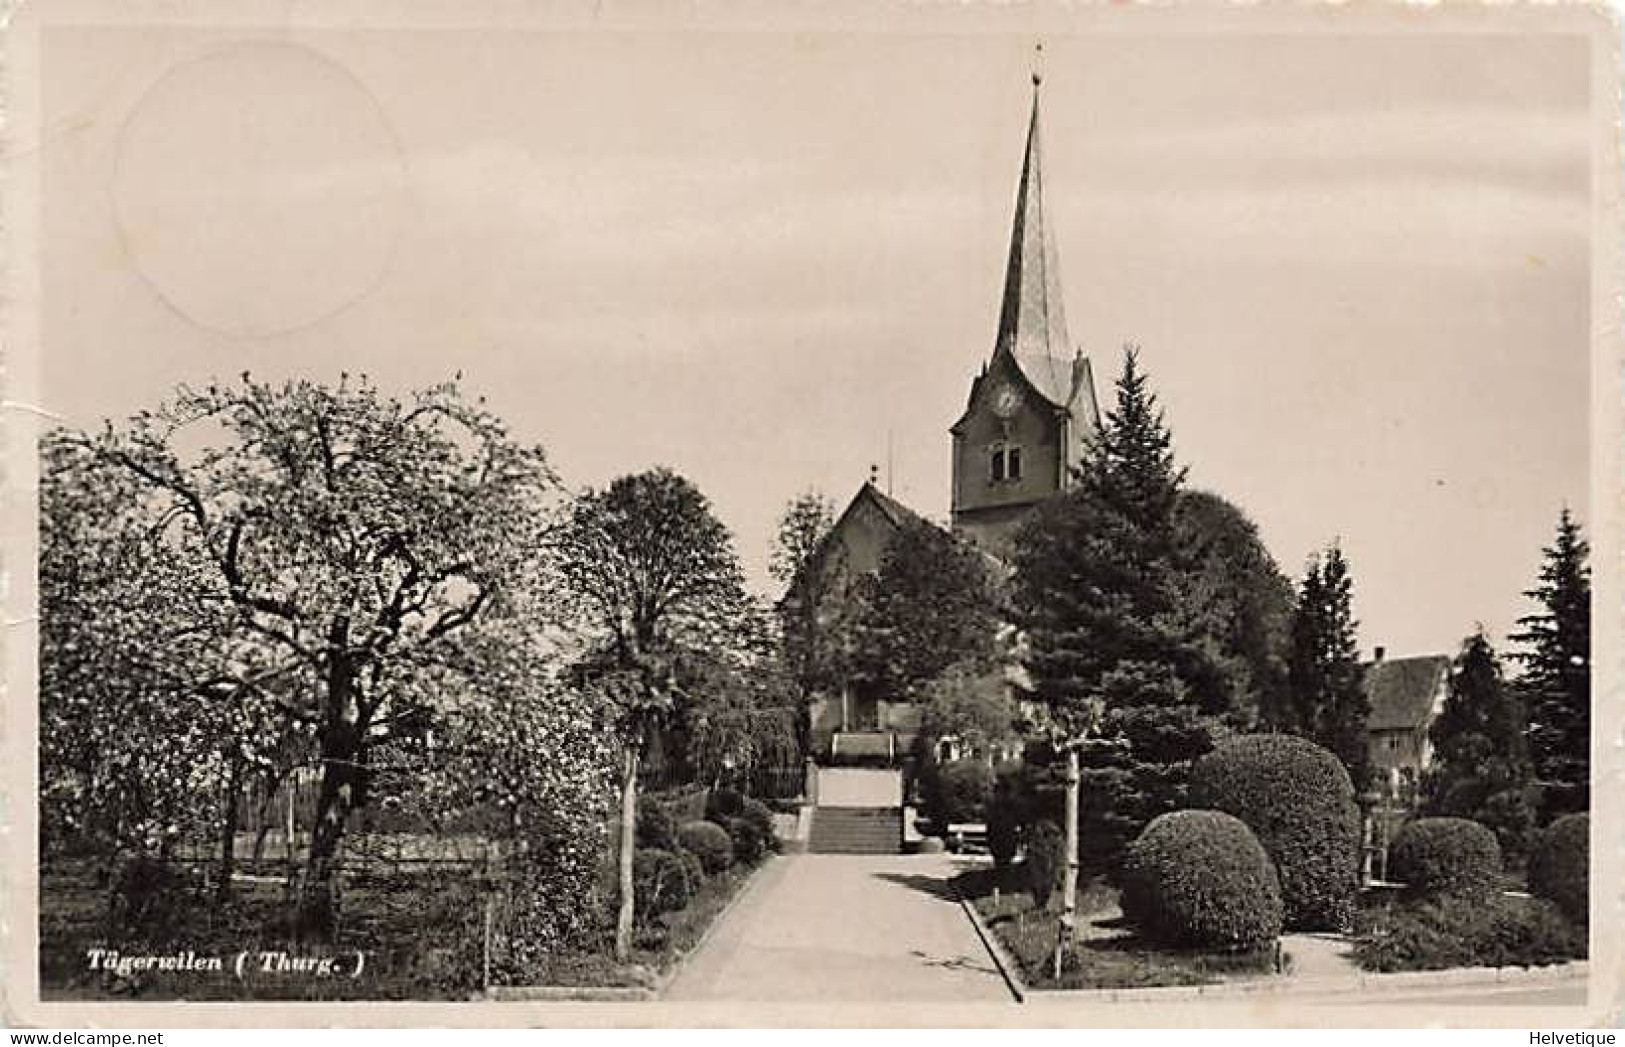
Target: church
(1025,424)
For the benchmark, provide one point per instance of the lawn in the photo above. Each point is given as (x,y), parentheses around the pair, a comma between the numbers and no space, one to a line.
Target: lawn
(1107,953)
(421,936)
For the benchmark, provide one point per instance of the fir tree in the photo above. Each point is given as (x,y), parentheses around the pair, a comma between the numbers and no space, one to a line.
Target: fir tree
(1329,703)
(1480,767)
(1556,677)
(1095,589)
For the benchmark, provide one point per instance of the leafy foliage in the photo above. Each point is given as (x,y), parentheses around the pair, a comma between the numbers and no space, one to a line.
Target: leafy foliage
(1556,678)
(1453,931)
(1560,867)
(1045,861)
(1435,856)
(1005,816)
(1480,768)
(665,882)
(708,842)
(1297,799)
(656,828)
(803,528)
(933,605)
(1201,878)
(654,579)
(957,791)
(330,544)
(1232,599)
(1329,702)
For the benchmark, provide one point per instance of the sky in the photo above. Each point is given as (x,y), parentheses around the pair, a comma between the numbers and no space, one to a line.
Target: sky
(1357,265)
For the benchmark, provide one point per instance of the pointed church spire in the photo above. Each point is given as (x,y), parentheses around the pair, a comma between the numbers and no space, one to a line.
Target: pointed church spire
(1032,319)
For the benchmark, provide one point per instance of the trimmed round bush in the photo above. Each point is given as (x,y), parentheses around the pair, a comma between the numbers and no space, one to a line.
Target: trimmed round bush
(749,844)
(1435,856)
(656,828)
(1045,861)
(708,842)
(1298,800)
(760,815)
(1560,867)
(1201,878)
(662,882)
(958,791)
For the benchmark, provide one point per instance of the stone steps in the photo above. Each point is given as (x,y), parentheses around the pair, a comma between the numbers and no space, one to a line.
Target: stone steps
(856,830)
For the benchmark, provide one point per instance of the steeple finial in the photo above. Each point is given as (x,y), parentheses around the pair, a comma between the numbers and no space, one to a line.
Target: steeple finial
(1038,63)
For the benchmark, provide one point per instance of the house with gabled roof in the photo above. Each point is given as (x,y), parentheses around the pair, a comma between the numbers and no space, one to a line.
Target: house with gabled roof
(1405,696)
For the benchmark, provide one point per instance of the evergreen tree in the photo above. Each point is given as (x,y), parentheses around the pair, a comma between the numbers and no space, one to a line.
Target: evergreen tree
(1480,767)
(1095,590)
(1131,468)
(1329,704)
(1556,678)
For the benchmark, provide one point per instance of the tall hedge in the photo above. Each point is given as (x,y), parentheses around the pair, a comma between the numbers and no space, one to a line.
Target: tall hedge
(1201,878)
(1297,799)
(1560,869)
(1445,856)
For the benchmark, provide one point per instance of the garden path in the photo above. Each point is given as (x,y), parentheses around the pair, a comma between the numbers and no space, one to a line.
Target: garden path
(1320,957)
(845,928)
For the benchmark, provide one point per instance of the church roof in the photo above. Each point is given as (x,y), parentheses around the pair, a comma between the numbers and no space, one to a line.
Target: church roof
(1402,691)
(895,511)
(1032,315)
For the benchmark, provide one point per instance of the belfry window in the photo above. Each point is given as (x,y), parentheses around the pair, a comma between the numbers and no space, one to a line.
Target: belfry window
(1004,463)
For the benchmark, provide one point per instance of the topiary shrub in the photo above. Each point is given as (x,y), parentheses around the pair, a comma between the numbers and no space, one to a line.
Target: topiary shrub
(662,882)
(958,791)
(1045,861)
(760,815)
(749,844)
(1201,878)
(708,842)
(1560,867)
(1434,856)
(1298,800)
(656,828)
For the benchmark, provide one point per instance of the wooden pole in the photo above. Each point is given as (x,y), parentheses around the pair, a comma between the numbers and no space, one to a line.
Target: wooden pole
(1069,879)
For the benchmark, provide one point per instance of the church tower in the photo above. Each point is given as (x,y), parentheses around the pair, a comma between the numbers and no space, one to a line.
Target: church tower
(1032,407)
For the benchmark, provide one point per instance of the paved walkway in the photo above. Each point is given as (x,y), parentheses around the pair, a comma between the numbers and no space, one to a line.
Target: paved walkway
(845,928)
(1320,957)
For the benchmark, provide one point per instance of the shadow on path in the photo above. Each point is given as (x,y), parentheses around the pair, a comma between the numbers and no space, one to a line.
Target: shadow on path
(955,963)
(935,886)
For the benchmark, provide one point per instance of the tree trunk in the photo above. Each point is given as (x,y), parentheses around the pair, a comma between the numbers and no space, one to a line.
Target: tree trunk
(1069,878)
(341,792)
(228,827)
(629,828)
